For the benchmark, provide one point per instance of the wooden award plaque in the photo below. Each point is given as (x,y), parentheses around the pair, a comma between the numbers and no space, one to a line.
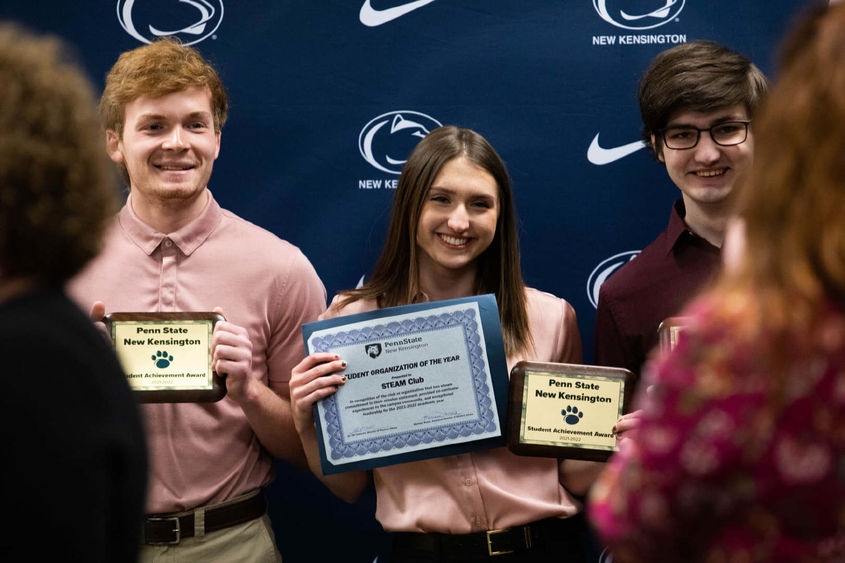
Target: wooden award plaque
(167,356)
(566,410)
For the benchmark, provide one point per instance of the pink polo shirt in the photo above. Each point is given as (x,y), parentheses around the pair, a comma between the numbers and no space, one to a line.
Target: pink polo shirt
(489,489)
(206,453)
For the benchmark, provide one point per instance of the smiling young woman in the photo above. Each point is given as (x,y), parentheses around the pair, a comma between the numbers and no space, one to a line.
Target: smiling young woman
(452,234)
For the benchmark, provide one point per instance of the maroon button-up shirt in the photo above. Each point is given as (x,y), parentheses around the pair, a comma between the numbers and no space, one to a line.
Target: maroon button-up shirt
(653,286)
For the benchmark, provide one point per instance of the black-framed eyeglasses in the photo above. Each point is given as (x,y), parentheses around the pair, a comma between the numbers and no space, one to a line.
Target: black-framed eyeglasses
(726,134)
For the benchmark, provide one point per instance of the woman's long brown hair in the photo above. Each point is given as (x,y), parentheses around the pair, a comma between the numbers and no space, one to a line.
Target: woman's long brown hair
(395,278)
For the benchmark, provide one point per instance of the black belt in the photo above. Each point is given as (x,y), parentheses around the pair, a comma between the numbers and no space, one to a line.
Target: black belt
(490,543)
(163,529)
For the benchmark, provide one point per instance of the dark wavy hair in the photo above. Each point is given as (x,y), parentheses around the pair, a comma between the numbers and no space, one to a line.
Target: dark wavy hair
(57,189)
(700,76)
(395,278)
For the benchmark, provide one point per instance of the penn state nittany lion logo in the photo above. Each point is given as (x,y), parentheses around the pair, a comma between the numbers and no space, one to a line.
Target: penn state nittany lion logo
(640,14)
(190,21)
(373,350)
(604,270)
(387,140)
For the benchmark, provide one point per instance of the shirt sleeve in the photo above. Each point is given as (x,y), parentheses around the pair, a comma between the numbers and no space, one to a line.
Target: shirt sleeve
(302,300)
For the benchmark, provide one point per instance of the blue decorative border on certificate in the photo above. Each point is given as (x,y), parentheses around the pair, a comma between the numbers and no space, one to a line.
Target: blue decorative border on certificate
(485,420)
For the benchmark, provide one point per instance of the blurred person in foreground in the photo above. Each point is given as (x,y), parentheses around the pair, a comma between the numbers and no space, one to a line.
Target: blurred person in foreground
(74,463)
(740,451)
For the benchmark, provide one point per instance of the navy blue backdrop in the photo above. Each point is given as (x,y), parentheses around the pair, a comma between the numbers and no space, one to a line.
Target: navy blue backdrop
(329,96)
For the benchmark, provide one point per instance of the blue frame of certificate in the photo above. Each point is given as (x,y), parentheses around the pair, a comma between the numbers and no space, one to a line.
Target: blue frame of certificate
(424,318)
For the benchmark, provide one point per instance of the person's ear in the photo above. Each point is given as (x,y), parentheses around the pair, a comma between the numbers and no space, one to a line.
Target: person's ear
(658,148)
(113,148)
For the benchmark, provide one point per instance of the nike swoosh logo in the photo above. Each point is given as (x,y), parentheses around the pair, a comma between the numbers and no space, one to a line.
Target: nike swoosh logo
(601,156)
(371,17)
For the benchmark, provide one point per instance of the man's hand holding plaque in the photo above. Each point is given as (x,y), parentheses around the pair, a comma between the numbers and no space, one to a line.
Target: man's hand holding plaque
(231,357)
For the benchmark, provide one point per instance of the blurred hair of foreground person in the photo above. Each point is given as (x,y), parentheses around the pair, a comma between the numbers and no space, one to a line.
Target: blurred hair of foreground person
(74,467)
(740,451)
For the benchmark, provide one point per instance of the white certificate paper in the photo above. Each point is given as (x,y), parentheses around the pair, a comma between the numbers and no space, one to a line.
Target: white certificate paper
(421,382)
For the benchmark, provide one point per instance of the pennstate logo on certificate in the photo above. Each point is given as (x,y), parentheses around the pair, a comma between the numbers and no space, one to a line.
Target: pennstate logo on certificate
(387,140)
(643,14)
(373,350)
(190,21)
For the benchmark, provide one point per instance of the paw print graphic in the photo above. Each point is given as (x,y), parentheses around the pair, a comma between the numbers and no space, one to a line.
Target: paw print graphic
(162,359)
(571,415)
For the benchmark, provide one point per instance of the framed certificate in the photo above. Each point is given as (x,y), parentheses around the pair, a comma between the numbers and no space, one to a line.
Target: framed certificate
(566,410)
(424,380)
(167,356)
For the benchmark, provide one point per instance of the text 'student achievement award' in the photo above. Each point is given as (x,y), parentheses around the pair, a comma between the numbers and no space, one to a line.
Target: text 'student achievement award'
(424,380)
(167,356)
(566,410)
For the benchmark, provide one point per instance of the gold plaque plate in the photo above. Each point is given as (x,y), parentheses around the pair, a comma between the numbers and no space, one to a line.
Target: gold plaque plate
(566,410)
(167,356)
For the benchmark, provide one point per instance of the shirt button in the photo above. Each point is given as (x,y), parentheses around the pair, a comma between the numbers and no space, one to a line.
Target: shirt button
(168,243)
(468,482)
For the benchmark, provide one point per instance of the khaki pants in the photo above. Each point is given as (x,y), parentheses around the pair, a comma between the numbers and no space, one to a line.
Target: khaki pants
(250,542)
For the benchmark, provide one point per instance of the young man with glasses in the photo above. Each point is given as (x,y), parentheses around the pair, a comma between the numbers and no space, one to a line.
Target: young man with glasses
(697,101)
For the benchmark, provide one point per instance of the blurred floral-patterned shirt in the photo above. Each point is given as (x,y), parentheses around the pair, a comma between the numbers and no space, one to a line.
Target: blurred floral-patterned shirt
(740,456)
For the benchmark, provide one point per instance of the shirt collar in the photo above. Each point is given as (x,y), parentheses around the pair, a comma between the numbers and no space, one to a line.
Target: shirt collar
(187,239)
(676,227)
(678,232)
